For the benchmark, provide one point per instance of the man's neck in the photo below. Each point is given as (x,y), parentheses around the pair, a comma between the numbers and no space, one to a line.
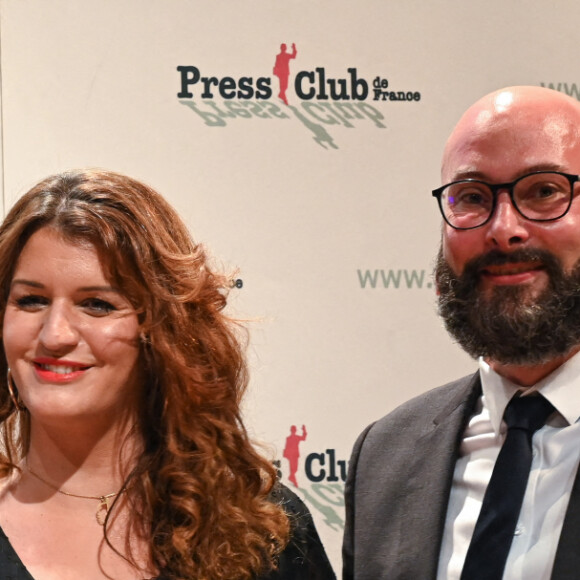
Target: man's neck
(529,375)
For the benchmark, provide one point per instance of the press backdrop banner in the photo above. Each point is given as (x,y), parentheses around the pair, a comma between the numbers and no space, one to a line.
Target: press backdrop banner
(300,141)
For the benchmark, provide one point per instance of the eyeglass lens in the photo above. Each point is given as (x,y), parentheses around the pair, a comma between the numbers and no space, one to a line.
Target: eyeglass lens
(540,196)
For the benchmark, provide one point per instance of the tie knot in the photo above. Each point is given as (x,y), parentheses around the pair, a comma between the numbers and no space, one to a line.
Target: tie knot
(529,413)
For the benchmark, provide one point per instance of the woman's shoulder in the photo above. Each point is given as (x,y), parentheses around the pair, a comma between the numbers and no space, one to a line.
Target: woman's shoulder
(289,501)
(304,558)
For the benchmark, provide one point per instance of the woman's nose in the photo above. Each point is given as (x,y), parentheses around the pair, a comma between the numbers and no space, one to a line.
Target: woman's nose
(59,330)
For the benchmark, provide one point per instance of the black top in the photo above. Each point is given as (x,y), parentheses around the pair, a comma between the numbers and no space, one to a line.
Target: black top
(303,559)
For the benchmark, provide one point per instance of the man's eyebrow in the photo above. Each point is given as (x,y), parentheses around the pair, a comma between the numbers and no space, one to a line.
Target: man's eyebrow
(473,174)
(461,175)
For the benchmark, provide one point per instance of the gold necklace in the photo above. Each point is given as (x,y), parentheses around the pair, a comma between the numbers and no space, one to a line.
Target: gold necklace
(105,501)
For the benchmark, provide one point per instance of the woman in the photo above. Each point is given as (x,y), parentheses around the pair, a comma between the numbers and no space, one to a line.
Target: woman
(120,383)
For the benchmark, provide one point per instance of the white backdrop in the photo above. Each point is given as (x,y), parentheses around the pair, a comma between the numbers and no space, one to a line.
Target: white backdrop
(310,225)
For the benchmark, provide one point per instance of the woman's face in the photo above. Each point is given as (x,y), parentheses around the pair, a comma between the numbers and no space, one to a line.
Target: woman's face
(71,339)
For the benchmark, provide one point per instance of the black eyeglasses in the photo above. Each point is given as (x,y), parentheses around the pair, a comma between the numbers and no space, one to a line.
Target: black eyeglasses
(541,196)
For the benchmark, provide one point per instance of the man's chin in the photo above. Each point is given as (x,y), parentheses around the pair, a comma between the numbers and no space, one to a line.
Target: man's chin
(527,323)
(512,295)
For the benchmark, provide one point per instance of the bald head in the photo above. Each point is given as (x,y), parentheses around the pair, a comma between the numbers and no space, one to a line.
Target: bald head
(520,121)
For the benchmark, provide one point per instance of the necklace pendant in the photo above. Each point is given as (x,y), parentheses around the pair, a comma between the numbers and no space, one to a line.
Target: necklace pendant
(102,510)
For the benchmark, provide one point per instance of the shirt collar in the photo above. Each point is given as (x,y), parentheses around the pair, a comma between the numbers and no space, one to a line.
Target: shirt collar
(561,387)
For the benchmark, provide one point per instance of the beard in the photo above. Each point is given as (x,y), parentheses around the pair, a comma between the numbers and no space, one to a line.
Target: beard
(510,324)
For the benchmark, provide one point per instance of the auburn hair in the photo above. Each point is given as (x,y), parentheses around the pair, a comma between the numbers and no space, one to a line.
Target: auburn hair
(199,488)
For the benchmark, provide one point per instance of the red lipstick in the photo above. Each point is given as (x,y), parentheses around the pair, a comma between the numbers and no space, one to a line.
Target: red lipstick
(58,370)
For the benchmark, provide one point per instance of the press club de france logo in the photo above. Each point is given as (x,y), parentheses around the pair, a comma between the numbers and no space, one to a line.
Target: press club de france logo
(321,101)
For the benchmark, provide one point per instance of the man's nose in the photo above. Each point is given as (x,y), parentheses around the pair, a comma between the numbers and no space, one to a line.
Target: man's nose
(507,227)
(59,329)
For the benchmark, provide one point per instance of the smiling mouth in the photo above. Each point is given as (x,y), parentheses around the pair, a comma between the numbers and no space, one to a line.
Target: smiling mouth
(511,269)
(60,369)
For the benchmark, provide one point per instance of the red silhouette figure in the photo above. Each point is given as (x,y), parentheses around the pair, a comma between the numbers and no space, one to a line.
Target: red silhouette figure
(292,453)
(282,69)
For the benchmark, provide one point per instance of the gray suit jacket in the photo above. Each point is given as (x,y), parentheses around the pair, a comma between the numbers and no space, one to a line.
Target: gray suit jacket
(398,486)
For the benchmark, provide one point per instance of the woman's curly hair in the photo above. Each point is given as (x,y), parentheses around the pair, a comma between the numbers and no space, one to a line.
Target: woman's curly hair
(199,488)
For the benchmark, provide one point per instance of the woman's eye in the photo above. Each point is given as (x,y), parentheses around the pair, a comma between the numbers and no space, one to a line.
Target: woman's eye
(31,302)
(98,307)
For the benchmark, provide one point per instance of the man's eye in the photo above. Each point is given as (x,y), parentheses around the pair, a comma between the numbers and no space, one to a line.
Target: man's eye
(473,198)
(98,307)
(469,197)
(544,191)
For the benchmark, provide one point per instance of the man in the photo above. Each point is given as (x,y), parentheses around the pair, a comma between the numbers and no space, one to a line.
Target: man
(292,451)
(282,69)
(508,278)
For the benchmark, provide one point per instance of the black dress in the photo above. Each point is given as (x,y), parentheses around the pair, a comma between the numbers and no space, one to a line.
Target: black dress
(303,559)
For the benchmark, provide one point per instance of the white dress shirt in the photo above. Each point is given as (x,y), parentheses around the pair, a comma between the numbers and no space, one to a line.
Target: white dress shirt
(556,454)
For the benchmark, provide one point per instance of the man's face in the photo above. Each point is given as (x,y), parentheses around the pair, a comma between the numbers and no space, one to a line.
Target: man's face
(510,289)
(499,150)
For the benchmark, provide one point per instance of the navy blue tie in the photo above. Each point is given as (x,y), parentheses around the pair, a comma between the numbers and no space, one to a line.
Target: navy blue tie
(500,510)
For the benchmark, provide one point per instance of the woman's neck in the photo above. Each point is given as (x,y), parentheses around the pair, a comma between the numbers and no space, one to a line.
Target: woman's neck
(84,461)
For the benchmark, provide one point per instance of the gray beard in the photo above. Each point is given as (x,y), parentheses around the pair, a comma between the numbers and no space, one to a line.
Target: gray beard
(506,324)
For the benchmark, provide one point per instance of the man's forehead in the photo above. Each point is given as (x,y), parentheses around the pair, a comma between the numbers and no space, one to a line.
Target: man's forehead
(533,127)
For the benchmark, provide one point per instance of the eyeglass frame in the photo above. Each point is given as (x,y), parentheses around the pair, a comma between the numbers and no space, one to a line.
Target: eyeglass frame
(495,189)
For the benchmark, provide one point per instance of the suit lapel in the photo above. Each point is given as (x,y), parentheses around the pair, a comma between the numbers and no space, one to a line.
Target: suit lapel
(567,561)
(430,479)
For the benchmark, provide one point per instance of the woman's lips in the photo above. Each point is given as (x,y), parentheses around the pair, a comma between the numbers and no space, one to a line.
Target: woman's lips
(58,371)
